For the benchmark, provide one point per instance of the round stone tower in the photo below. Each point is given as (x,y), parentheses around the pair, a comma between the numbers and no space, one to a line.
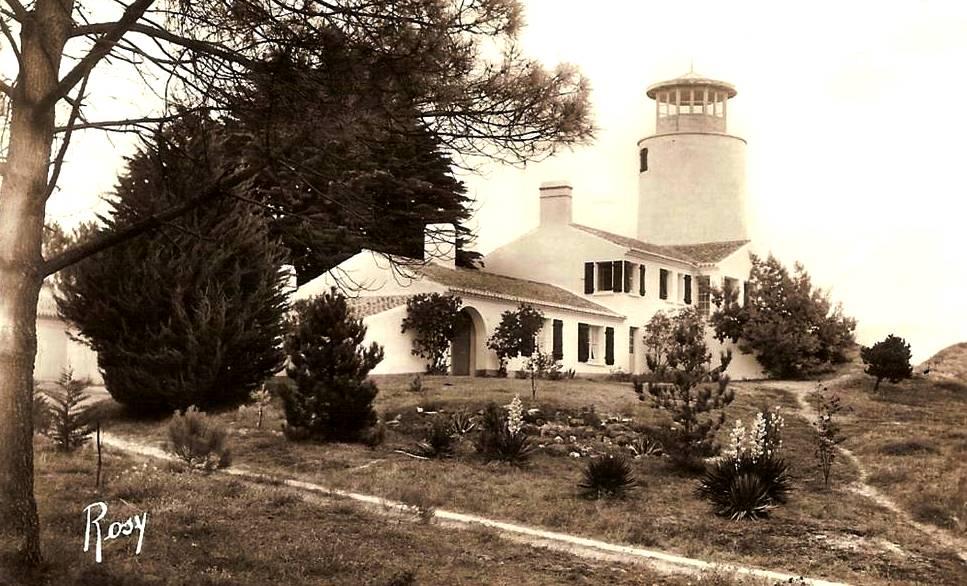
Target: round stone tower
(691,182)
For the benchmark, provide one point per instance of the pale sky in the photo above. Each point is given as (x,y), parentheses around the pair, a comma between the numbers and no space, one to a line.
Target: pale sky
(855,140)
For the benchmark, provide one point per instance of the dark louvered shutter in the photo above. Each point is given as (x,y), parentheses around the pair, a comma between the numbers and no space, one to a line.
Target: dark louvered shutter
(663,284)
(588,278)
(609,346)
(745,293)
(558,342)
(583,339)
(617,274)
(628,276)
(688,289)
(641,280)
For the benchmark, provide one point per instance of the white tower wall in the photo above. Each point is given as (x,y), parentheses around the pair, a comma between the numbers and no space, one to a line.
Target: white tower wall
(694,189)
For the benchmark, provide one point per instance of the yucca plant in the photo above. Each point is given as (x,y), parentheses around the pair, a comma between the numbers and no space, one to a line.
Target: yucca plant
(745,488)
(607,477)
(438,442)
(497,441)
(463,422)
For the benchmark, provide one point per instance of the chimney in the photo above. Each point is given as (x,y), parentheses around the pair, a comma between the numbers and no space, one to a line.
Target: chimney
(440,244)
(555,203)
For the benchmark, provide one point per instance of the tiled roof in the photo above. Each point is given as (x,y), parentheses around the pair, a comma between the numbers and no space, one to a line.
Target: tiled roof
(708,252)
(46,305)
(366,306)
(705,252)
(509,288)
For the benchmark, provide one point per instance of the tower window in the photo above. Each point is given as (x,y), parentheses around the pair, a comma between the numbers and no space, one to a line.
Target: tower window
(642,160)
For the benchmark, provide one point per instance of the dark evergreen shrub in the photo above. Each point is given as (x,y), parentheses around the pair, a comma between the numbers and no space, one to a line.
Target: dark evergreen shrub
(198,441)
(70,423)
(607,477)
(332,398)
(743,488)
(888,359)
(189,314)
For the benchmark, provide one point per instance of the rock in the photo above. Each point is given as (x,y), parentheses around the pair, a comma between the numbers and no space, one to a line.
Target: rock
(575,454)
(614,429)
(558,439)
(575,422)
(572,439)
(556,450)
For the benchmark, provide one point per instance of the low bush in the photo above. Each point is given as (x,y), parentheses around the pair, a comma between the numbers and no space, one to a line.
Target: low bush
(907,448)
(745,488)
(607,477)
(416,385)
(198,441)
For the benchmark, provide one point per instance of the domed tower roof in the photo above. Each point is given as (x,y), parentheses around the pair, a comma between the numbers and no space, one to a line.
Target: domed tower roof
(691,79)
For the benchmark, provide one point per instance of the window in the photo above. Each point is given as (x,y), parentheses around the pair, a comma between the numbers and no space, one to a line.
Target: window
(605,276)
(589,341)
(642,160)
(704,295)
(662,284)
(641,280)
(730,284)
(628,272)
(557,342)
(688,289)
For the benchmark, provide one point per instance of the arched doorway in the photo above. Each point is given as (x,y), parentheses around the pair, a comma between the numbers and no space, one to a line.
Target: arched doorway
(463,348)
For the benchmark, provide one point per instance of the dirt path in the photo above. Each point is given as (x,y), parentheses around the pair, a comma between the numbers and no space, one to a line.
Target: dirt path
(802,390)
(532,536)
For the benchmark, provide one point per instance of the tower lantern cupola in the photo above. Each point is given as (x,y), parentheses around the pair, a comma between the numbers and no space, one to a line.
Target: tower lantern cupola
(691,172)
(691,103)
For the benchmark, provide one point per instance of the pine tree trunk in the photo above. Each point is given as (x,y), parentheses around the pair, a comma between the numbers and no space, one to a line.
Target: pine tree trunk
(22,202)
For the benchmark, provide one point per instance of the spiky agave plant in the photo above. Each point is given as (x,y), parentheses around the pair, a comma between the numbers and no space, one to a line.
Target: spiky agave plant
(438,442)
(745,488)
(607,477)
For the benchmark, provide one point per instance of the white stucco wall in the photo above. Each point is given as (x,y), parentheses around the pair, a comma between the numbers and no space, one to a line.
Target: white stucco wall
(56,351)
(694,189)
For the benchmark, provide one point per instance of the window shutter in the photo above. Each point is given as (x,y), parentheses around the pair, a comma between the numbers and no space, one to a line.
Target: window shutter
(663,284)
(583,340)
(745,293)
(688,289)
(618,281)
(609,346)
(642,160)
(641,280)
(588,278)
(628,275)
(558,342)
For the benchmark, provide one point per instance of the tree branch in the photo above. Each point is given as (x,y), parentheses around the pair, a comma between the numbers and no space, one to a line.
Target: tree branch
(6,88)
(19,12)
(100,49)
(77,253)
(12,41)
(65,142)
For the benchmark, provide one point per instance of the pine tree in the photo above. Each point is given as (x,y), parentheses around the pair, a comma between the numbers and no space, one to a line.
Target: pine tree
(69,422)
(888,359)
(333,398)
(190,314)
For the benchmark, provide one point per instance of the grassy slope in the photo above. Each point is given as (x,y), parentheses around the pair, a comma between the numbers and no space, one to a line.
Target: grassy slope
(912,438)
(215,530)
(835,534)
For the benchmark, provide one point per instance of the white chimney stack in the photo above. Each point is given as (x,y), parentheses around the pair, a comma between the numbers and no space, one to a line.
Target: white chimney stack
(440,244)
(555,203)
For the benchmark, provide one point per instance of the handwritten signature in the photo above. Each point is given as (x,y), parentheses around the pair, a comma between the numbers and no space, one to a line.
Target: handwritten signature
(115,530)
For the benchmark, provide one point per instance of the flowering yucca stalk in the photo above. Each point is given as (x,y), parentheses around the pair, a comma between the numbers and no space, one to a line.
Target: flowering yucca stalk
(764,437)
(515,416)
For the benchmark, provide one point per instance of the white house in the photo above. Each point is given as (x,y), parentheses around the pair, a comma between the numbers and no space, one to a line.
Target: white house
(596,289)
(56,349)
